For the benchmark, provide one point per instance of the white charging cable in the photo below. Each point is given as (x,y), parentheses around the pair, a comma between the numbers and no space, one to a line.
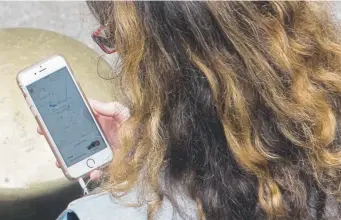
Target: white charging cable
(83,185)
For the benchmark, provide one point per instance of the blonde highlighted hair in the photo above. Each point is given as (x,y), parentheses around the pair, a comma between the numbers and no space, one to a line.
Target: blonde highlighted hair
(238,101)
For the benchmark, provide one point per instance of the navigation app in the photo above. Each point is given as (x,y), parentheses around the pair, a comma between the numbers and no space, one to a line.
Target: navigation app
(66,116)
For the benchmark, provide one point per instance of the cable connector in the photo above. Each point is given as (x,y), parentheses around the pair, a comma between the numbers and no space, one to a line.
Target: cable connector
(83,185)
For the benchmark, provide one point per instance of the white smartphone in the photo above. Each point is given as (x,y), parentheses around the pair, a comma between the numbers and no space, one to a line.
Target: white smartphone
(63,113)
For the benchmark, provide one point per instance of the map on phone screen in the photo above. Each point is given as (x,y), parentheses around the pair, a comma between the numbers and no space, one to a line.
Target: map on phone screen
(66,116)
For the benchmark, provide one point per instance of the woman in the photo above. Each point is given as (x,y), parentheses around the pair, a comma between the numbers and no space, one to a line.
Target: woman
(234,111)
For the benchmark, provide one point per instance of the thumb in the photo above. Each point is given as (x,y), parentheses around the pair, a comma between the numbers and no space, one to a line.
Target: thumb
(111,109)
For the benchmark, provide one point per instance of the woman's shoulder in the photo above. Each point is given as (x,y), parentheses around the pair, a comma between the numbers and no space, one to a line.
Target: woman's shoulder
(104,206)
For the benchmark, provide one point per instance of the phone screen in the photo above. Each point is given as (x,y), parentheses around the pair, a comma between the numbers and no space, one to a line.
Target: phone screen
(66,116)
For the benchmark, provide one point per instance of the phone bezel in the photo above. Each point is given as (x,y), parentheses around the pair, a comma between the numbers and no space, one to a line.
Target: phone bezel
(39,71)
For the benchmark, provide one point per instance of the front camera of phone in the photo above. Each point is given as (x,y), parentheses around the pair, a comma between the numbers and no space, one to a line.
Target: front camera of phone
(35,73)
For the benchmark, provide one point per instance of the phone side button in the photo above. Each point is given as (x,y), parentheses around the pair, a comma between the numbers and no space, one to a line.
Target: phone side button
(33,111)
(90,163)
(24,94)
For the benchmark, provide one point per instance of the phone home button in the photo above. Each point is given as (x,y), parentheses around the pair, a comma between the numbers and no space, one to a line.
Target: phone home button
(91,163)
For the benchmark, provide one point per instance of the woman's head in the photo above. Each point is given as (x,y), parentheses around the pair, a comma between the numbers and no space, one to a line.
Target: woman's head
(238,101)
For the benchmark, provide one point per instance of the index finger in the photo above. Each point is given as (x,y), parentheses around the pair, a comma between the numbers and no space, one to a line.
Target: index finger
(39,130)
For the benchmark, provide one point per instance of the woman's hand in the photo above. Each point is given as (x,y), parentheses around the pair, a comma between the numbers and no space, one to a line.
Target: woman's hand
(110,116)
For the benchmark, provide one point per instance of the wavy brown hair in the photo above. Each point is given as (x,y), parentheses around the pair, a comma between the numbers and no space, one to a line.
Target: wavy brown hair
(237,101)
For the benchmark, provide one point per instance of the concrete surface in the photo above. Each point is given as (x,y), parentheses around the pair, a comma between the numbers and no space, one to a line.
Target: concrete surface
(70,18)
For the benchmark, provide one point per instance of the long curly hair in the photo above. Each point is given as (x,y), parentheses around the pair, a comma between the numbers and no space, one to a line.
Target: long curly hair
(237,102)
